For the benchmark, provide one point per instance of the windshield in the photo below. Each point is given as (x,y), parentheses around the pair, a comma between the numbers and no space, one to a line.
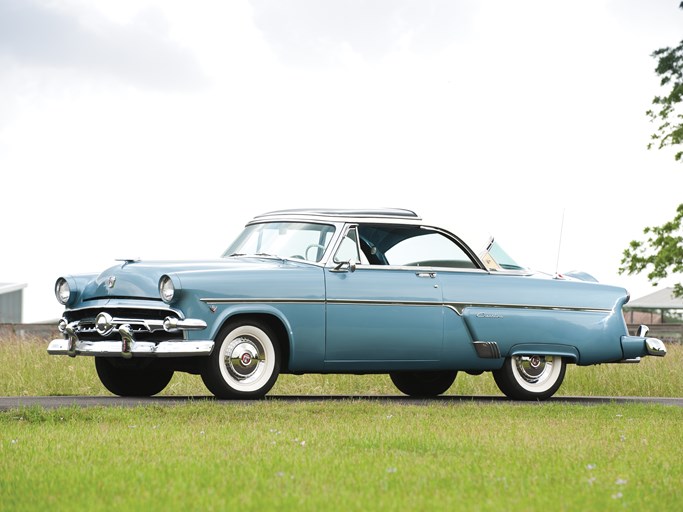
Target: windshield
(287,240)
(495,258)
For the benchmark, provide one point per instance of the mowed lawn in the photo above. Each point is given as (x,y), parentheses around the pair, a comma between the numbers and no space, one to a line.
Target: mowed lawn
(340,455)
(346,455)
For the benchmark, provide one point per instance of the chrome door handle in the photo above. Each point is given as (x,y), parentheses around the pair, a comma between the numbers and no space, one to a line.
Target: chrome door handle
(426,274)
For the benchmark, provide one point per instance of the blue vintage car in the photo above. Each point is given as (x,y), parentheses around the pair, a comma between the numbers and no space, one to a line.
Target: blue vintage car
(343,291)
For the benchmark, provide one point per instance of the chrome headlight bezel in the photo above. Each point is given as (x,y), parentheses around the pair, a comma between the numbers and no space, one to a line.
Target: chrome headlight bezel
(63,291)
(167,289)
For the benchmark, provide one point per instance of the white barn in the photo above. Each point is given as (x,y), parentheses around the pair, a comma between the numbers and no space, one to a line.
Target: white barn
(11,302)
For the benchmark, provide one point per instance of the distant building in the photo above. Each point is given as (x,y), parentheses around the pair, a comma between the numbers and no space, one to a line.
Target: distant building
(660,307)
(11,302)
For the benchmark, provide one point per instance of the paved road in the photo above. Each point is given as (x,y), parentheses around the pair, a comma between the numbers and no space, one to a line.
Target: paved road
(52,402)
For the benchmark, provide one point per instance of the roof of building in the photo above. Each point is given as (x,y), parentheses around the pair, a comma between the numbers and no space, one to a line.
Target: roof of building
(662,299)
(11,287)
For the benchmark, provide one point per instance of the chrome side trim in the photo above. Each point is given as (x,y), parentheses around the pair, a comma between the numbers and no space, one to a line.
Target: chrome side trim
(417,268)
(458,308)
(211,300)
(136,348)
(321,301)
(348,302)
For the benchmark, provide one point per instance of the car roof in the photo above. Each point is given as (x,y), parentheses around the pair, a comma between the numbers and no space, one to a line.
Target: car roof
(344,215)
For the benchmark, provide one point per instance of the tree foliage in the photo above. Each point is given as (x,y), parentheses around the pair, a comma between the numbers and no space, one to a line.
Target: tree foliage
(666,109)
(662,252)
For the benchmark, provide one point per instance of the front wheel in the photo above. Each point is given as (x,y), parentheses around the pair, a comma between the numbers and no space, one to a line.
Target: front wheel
(530,377)
(132,377)
(245,362)
(423,384)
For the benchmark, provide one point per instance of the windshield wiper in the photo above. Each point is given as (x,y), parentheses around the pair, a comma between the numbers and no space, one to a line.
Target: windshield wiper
(257,255)
(266,255)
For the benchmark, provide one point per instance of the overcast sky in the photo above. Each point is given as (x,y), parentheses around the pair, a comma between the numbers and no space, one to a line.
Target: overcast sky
(157,129)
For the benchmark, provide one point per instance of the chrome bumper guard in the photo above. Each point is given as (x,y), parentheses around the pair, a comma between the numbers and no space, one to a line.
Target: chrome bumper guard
(105,325)
(655,347)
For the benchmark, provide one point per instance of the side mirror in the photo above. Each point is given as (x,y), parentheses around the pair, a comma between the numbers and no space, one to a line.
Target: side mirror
(345,266)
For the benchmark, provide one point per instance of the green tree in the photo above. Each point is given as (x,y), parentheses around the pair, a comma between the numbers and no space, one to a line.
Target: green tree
(666,109)
(661,253)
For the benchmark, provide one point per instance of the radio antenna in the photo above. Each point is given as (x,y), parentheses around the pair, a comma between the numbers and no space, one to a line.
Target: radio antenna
(559,245)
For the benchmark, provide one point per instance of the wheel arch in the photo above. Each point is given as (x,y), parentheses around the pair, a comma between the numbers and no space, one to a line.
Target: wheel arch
(567,352)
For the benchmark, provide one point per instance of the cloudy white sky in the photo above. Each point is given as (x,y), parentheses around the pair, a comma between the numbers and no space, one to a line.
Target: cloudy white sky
(158,128)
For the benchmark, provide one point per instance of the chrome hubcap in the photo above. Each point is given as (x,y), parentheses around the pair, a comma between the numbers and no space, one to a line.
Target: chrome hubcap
(533,368)
(244,358)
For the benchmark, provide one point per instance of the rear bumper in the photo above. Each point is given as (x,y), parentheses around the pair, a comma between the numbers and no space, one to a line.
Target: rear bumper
(135,348)
(635,347)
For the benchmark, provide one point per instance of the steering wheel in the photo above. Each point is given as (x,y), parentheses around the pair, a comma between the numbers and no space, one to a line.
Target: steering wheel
(313,246)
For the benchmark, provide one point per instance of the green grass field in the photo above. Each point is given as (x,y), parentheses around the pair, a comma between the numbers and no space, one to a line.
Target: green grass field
(340,455)
(347,455)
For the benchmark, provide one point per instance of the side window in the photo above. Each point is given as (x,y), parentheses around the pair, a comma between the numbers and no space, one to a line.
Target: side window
(348,249)
(428,249)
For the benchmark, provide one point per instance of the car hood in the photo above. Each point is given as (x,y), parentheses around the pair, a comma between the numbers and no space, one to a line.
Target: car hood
(140,279)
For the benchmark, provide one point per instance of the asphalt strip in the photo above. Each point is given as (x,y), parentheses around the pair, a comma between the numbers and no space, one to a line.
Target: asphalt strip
(53,402)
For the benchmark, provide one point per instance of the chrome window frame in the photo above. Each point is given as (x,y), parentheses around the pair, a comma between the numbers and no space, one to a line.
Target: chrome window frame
(479,265)
(343,224)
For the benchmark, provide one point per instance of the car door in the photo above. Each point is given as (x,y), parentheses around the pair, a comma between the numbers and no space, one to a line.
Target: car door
(380,316)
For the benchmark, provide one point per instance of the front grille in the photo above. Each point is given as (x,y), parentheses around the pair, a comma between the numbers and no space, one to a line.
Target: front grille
(120,312)
(145,324)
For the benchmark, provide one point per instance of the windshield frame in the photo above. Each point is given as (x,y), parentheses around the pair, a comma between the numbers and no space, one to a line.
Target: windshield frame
(257,240)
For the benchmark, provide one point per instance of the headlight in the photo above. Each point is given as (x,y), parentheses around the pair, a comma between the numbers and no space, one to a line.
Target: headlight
(166,289)
(62,291)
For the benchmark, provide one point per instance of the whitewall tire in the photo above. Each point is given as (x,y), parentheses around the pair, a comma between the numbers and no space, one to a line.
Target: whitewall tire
(532,377)
(245,361)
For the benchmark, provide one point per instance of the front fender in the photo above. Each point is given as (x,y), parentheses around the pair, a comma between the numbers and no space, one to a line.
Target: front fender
(302,324)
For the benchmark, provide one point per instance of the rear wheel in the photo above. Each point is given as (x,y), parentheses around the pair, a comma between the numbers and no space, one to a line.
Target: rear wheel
(132,377)
(245,362)
(530,377)
(424,384)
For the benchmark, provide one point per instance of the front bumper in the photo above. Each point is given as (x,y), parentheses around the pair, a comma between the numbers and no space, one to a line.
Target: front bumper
(127,336)
(136,348)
